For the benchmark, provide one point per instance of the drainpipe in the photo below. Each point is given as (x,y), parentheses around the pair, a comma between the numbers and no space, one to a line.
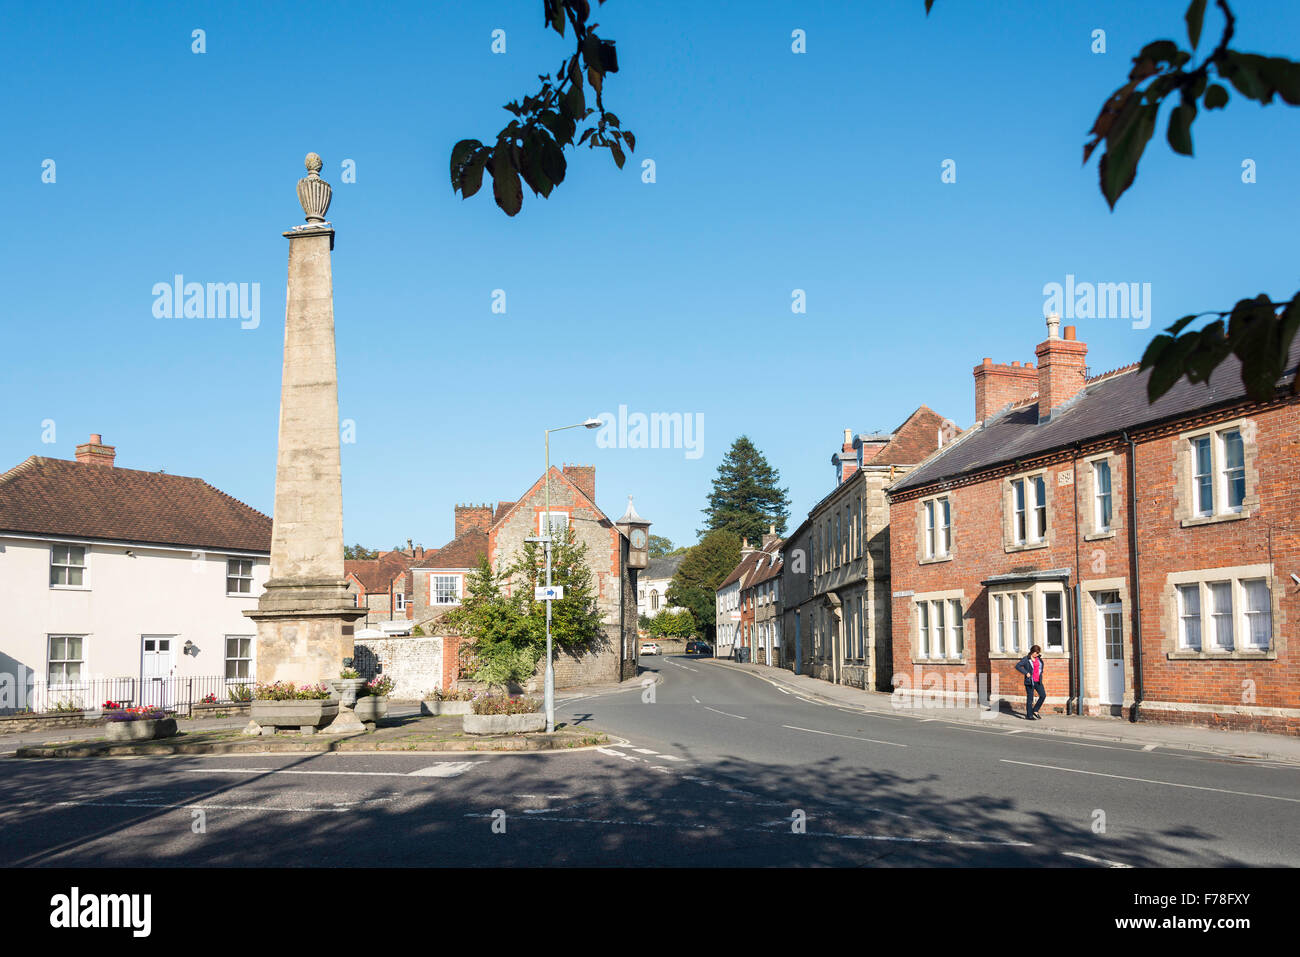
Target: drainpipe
(1076,633)
(1135,571)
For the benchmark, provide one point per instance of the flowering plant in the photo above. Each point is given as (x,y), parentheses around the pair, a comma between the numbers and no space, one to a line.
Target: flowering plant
(501,704)
(209,699)
(349,673)
(147,713)
(240,692)
(379,686)
(288,691)
(452,694)
(111,705)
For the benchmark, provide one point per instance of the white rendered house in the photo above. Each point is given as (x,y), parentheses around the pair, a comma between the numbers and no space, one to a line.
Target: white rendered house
(124,584)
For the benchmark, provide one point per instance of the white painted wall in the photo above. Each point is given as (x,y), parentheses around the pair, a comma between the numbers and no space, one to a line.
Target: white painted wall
(158,592)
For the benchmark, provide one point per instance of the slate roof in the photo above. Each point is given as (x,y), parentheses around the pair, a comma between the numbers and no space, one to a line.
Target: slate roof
(1107,405)
(45,496)
(663,567)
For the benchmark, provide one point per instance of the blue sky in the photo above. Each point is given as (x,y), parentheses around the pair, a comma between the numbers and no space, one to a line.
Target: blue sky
(775,171)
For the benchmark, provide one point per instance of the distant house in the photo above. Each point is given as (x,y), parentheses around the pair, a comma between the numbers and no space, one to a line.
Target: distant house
(115,573)
(652,585)
(382,586)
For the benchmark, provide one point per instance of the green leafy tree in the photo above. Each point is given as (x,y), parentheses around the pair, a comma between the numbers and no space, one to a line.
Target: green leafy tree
(1258,331)
(659,546)
(704,568)
(505,645)
(746,498)
(532,145)
(575,619)
(355,552)
(643,622)
(673,624)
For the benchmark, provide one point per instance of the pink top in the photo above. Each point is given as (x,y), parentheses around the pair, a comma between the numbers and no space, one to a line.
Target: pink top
(1038,667)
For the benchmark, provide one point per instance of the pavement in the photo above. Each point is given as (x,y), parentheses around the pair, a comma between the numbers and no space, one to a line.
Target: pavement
(1246,744)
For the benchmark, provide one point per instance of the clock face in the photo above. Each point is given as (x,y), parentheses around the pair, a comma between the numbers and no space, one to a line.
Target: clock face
(638,538)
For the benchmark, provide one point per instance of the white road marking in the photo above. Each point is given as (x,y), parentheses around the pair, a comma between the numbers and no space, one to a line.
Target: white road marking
(1148,747)
(727,713)
(851,737)
(448,769)
(870,714)
(695,699)
(676,665)
(1016,731)
(1095,860)
(644,751)
(1171,784)
(445,770)
(671,757)
(205,807)
(611,752)
(782,690)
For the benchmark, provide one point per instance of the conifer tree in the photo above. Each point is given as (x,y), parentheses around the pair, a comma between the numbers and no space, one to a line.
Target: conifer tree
(746,498)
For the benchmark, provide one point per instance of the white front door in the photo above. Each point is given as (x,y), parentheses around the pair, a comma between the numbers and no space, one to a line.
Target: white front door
(156,667)
(1110,651)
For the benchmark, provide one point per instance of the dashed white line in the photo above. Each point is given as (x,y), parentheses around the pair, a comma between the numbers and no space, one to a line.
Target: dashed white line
(1095,860)
(1148,747)
(727,713)
(852,737)
(644,751)
(1170,784)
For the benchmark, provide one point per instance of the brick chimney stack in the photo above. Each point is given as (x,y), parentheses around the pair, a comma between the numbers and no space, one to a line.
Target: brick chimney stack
(746,548)
(583,476)
(473,517)
(1062,369)
(95,452)
(846,462)
(771,535)
(997,385)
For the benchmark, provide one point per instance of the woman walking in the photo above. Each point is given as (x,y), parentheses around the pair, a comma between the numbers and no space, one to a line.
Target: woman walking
(1031,666)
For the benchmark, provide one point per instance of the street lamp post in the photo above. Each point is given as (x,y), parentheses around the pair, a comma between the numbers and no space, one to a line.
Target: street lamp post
(546,545)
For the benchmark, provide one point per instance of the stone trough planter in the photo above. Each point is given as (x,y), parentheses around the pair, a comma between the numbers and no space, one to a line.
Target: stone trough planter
(434,707)
(299,715)
(504,723)
(148,730)
(370,709)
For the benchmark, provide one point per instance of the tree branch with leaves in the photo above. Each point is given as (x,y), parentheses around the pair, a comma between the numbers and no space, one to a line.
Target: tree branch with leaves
(1258,331)
(531,146)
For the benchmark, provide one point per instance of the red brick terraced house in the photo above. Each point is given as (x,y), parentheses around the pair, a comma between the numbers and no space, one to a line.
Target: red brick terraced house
(1151,549)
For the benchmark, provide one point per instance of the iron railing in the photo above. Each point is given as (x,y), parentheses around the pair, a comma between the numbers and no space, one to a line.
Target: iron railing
(177,695)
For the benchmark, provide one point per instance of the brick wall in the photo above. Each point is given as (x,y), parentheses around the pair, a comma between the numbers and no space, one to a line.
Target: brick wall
(1243,690)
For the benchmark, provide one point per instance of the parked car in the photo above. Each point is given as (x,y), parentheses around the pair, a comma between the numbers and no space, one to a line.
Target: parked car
(649,648)
(698,648)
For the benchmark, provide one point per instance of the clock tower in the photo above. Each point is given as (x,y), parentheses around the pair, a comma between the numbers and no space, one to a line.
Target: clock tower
(637,530)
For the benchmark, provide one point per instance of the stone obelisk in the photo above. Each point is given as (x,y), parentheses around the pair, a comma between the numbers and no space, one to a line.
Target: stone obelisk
(305,617)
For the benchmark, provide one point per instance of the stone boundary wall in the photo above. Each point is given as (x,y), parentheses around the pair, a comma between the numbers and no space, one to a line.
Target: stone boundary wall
(18,723)
(414,664)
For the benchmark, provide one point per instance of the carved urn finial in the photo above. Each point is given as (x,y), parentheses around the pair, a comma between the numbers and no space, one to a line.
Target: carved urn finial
(313,192)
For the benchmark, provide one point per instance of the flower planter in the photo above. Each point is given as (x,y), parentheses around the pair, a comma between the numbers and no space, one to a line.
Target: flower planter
(372,708)
(436,707)
(346,689)
(146,730)
(306,715)
(504,723)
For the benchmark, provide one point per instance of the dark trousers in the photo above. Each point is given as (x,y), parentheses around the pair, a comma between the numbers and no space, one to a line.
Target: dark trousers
(1031,709)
